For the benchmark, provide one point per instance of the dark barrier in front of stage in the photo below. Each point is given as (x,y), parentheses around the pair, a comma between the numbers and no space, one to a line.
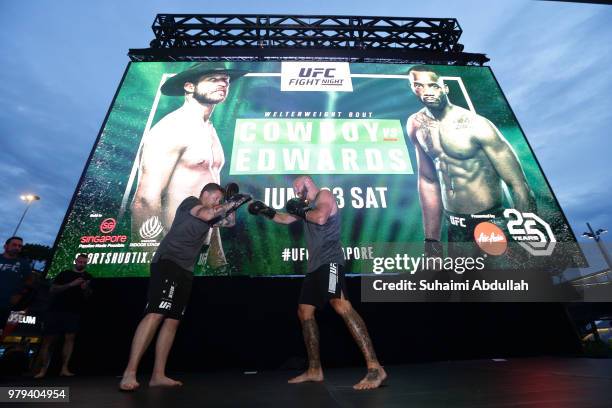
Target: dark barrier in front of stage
(251,323)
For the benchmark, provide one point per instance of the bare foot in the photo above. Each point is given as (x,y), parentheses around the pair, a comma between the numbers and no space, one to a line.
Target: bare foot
(66,373)
(373,379)
(41,374)
(308,376)
(164,382)
(128,382)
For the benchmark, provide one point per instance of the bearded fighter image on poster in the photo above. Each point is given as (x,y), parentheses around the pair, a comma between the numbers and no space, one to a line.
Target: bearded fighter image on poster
(182,153)
(409,154)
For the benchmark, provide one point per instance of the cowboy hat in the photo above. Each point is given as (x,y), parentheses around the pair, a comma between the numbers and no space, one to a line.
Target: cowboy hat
(174,86)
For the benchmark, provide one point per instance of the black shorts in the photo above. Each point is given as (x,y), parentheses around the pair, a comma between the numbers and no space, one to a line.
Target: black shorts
(57,322)
(169,289)
(4,315)
(324,283)
(460,230)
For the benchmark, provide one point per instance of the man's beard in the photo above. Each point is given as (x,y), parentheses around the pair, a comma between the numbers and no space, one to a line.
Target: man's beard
(79,268)
(304,193)
(437,104)
(206,99)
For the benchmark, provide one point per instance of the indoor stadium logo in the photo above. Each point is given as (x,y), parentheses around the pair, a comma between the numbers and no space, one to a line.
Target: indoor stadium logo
(311,76)
(531,232)
(151,228)
(108,225)
(490,238)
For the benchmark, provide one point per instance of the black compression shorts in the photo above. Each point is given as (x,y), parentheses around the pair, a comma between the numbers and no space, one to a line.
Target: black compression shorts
(169,289)
(324,283)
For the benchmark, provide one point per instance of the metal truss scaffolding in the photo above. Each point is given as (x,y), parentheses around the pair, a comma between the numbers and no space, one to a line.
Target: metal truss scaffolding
(199,37)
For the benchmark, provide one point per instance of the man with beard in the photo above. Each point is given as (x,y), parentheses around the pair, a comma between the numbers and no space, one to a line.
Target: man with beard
(14,271)
(324,281)
(69,291)
(182,152)
(462,160)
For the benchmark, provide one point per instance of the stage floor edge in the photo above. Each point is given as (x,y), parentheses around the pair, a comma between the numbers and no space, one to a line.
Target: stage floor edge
(524,382)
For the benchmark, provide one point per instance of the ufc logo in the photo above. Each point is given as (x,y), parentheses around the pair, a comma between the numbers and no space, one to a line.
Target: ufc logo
(165,305)
(171,292)
(315,72)
(333,278)
(458,221)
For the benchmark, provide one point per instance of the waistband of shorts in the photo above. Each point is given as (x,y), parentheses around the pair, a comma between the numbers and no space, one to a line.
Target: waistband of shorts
(491,213)
(174,264)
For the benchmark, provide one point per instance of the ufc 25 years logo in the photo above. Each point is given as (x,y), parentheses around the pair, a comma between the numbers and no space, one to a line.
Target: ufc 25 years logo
(531,232)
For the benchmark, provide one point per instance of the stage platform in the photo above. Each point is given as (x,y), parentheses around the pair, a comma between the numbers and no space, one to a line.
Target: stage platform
(523,382)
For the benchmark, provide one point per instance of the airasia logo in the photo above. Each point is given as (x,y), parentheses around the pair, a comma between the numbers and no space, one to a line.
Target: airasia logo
(490,238)
(108,225)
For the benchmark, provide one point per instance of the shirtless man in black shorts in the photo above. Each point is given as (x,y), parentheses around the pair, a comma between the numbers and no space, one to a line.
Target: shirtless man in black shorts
(324,281)
(172,275)
(462,161)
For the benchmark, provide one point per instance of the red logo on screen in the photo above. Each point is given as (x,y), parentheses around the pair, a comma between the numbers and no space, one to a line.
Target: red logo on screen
(104,239)
(108,225)
(490,238)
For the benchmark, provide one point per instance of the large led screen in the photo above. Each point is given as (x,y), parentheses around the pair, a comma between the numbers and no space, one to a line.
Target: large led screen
(410,152)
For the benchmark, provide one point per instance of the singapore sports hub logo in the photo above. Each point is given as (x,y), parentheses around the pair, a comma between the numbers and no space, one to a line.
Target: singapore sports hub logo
(151,228)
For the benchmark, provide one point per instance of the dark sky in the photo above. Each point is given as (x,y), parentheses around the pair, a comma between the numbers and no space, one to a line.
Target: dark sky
(61,62)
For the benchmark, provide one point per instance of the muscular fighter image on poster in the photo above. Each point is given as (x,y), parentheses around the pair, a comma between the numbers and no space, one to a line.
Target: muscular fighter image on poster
(463,159)
(176,126)
(182,152)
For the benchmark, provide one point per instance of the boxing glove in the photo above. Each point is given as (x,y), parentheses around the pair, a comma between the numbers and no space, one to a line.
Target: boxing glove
(258,207)
(297,207)
(237,201)
(230,190)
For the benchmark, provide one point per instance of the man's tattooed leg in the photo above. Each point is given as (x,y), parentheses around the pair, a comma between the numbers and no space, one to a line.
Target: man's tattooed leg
(376,374)
(310,331)
(359,331)
(314,372)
